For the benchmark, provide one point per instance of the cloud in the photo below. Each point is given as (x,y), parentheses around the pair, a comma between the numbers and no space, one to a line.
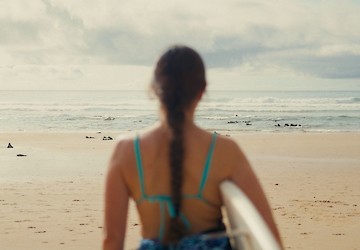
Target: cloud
(303,37)
(338,66)
(74,77)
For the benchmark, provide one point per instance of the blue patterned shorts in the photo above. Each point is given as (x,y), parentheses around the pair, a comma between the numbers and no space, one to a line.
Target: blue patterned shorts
(194,242)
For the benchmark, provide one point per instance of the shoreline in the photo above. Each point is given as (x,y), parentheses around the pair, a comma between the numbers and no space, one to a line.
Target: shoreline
(53,197)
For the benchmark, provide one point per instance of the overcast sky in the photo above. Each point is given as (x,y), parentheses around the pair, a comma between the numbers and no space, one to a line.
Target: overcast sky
(113,44)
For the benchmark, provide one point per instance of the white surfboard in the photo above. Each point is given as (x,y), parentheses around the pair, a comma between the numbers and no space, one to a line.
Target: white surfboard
(248,229)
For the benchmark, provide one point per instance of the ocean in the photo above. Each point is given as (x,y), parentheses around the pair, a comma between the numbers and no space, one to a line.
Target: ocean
(266,111)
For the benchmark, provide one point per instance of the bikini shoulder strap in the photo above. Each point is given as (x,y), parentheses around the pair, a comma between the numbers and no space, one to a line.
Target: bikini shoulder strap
(139,165)
(207,164)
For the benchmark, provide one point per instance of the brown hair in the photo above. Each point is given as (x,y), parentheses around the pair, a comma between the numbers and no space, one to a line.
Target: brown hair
(179,78)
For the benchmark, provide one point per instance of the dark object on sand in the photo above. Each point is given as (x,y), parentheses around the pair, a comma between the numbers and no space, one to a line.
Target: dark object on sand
(109,118)
(107,138)
(20,155)
(10,146)
(90,137)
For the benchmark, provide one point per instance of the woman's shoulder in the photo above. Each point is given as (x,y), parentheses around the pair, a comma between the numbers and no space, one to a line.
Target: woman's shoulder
(229,151)
(125,147)
(125,141)
(225,142)
(123,150)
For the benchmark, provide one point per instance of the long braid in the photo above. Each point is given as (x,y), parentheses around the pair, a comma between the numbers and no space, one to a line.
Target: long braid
(179,77)
(177,229)
(172,100)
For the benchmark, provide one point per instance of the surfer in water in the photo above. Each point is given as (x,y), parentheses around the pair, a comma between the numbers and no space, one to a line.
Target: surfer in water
(173,170)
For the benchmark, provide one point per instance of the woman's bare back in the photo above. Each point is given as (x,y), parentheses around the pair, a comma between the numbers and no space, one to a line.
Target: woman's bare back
(202,214)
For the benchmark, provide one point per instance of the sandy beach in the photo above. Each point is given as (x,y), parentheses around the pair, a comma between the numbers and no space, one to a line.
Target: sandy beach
(52,198)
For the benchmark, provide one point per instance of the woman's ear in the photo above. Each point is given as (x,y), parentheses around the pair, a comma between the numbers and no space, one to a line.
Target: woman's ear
(200,95)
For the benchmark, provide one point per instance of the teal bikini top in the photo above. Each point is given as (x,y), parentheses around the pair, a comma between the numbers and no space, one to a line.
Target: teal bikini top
(165,201)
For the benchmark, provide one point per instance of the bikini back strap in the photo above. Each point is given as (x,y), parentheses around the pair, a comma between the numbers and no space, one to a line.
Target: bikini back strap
(139,166)
(207,165)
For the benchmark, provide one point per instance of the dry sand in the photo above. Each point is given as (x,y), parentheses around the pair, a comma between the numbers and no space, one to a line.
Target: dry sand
(53,197)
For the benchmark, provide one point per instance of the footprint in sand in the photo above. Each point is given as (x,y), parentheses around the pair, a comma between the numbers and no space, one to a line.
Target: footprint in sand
(277,208)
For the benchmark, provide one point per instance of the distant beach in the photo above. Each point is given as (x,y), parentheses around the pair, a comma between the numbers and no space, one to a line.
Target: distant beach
(52,196)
